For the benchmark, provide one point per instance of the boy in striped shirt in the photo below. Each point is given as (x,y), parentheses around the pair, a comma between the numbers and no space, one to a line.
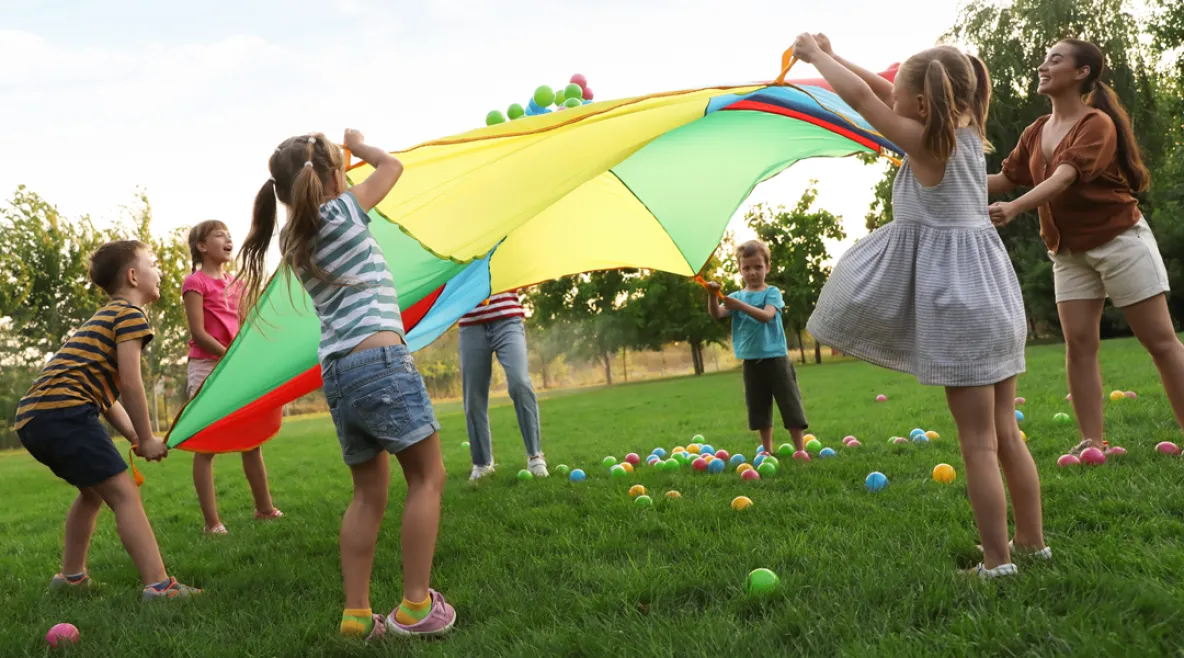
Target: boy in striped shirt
(58,419)
(496,327)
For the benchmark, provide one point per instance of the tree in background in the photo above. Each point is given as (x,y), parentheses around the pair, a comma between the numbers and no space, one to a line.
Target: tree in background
(796,240)
(588,305)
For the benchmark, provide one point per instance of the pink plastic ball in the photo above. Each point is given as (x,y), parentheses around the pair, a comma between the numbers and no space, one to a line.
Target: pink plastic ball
(579,79)
(1131,394)
(699,464)
(848,439)
(854,443)
(801,456)
(881,398)
(722,454)
(587,93)
(1068,460)
(750,474)
(1093,457)
(62,634)
(1115,451)
(632,458)
(1167,448)
(1019,401)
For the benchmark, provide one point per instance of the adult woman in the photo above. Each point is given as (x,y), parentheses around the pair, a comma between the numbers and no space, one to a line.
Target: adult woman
(1085,165)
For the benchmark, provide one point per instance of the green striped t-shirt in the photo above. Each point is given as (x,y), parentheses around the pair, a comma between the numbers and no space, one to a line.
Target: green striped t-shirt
(361,300)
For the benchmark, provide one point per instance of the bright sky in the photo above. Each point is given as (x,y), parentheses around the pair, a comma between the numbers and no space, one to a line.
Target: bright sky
(187,100)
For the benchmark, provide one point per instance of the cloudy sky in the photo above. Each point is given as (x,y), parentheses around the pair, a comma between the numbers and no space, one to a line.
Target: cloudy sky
(187,100)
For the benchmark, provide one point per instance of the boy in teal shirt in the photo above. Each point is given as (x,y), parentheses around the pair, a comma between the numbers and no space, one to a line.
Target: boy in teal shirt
(758,339)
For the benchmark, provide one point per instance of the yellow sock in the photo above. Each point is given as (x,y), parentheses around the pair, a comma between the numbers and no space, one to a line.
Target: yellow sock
(412,613)
(357,622)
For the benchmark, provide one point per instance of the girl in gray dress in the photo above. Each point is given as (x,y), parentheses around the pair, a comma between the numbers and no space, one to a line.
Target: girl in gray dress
(933,293)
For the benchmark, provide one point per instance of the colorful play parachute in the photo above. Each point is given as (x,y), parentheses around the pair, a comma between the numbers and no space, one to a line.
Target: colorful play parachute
(648,182)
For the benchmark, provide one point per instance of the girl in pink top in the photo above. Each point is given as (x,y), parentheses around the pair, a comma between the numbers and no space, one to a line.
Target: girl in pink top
(211,308)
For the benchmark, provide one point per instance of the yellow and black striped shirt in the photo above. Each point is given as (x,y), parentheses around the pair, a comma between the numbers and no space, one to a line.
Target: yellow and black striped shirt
(86,369)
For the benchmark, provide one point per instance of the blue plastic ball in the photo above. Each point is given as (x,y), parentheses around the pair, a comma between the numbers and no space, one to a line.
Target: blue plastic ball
(706,448)
(1019,416)
(577,475)
(716,466)
(827,452)
(759,458)
(913,434)
(920,438)
(876,481)
(652,459)
(704,452)
(660,452)
(736,460)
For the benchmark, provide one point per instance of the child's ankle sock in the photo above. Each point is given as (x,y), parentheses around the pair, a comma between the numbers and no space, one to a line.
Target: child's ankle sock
(410,613)
(76,578)
(357,622)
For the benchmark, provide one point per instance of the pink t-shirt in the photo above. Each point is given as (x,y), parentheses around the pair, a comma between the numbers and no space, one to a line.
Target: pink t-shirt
(219,306)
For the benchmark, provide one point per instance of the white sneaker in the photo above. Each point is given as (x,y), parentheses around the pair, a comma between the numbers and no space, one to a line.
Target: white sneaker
(537,466)
(480,472)
(990,574)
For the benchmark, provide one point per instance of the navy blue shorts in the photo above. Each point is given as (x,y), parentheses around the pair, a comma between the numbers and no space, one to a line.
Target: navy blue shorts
(73,444)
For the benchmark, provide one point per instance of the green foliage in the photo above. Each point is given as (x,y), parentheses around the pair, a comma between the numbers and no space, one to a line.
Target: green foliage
(585,305)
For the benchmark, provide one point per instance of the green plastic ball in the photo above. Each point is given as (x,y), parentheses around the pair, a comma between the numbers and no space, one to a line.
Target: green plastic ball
(760,582)
(560,96)
(515,111)
(562,469)
(572,102)
(767,469)
(574,91)
(495,117)
(785,450)
(525,475)
(544,96)
(813,445)
(617,472)
(609,461)
(464,444)
(643,501)
(1061,417)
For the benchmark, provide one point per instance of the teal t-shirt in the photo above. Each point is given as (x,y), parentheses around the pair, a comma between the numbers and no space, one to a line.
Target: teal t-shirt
(752,339)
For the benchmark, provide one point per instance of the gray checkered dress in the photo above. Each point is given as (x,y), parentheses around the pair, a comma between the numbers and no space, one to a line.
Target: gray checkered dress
(932,293)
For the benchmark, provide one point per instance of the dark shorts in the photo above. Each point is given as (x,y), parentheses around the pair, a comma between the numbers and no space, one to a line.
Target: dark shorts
(378,402)
(73,444)
(766,380)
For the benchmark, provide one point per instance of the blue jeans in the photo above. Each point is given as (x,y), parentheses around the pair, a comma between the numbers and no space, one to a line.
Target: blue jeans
(378,402)
(478,343)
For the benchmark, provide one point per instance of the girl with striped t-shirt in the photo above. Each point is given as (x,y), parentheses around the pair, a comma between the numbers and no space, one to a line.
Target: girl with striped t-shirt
(377,398)
(933,292)
(496,327)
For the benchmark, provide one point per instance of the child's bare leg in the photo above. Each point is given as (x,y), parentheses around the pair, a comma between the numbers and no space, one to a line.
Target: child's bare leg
(1023,480)
(256,474)
(423,467)
(974,413)
(121,495)
(203,481)
(766,434)
(80,526)
(360,526)
(798,436)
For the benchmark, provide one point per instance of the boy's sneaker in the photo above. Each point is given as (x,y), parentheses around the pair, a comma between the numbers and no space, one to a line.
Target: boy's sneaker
(537,466)
(174,590)
(61,582)
(480,472)
(438,622)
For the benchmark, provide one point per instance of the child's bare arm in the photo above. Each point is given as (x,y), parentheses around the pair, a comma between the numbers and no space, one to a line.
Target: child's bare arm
(765,314)
(135,401)
(713,307)
(195,316)
(879,85)
(117,416)
(387,170)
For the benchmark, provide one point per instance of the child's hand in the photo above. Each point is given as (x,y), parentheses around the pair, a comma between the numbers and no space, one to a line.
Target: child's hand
(354,139)
(1001,212)
(153,449)
(731,303)
(823,44)
(713,286)
(806,48)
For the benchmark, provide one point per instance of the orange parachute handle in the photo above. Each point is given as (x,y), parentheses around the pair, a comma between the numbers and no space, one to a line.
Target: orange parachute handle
(787,62)
(131,459)
(703,282)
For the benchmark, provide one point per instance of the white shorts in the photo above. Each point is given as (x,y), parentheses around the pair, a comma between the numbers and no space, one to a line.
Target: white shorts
(1127,269)
(199,369)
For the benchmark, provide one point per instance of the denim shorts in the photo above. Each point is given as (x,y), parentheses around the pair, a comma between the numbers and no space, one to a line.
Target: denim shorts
(378,402)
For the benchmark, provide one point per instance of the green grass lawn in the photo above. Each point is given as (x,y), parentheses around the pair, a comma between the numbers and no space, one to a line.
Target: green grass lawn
(555,568)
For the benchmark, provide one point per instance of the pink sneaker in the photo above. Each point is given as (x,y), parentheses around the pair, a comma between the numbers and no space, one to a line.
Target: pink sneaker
(438,622)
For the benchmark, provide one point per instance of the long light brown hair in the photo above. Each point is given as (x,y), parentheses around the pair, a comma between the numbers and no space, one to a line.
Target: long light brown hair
(306,171)
(198,235)
(953,84)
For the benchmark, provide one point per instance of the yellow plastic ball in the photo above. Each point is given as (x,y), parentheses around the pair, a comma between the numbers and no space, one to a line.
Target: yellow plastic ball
(693,448)
(678,449)
(808,438)
(627,466)
(673,495)
(944,473)
(1117,395)
(1023,436)
(636,490)
(708,458)
(741,503)
(744,467)
(932,435)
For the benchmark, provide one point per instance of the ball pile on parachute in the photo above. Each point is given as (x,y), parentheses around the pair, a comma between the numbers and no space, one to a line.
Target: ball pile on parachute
(575,93)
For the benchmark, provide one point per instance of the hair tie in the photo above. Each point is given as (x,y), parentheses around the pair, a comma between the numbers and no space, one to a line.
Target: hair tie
(312,140)
(308,163)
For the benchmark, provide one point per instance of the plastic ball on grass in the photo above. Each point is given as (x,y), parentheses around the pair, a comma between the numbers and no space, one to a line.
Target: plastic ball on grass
(813,445)
(801,456)
(785,450)
(464,444)
(708,458)
(767,469)
(705,448)
(736,460)
(716,467)
(875,481)
(698,439)
(1117,395)
(848,439)
(694,448)
(660,452)
(854,443)
(1093,457)
(643,501)
(1167,448)
(750,474)
(1023,437)
(1019,416)
(652,459)
(760,582)
(707,454)
(1131,395)
(673,495)
(772,460)
(62,635)
(744,467)
(741,503)
(627,466)
(699,464)
(678,449)
(525,475)
(932,436)
(899,440)
(609,461)
(881,398)
(1068,460)
(944,473)
(808,438)
(1019,401)
(915,432)
(1115,451)
(760,459)
(632,458)
(723,454)
(562,469)
(826,452)
(577,475)
(636,490)
(674,464)
(617,472)
(1061,417)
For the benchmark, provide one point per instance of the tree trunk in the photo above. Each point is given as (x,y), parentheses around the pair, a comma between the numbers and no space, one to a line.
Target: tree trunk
(662,363)
(607,358)
(817,352)
(697,357)
(801,346)
(625,362)
(546,376)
